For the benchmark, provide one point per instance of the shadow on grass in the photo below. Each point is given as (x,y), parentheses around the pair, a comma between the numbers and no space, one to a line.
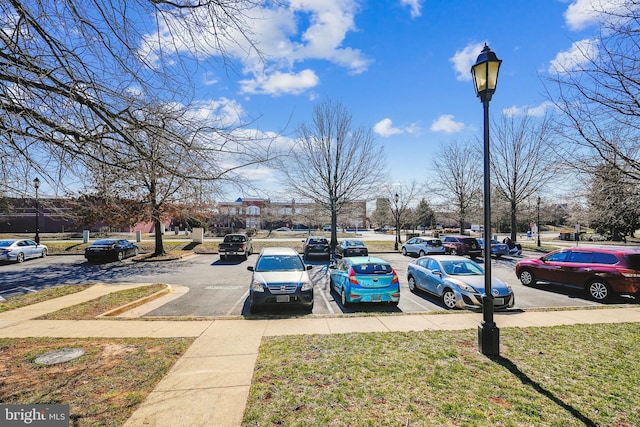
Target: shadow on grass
(527,381)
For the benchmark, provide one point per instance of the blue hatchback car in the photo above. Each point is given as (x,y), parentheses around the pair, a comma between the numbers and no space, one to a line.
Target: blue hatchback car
(364,279)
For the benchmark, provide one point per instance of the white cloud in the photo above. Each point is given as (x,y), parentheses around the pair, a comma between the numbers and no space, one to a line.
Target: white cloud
(279,83)
(286,35)
(414,5)
(583,13)
(537,111)
(445,123)
(385,128)
(580,52)
(463,60)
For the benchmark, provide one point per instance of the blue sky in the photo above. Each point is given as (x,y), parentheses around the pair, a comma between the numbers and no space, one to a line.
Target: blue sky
(401,67)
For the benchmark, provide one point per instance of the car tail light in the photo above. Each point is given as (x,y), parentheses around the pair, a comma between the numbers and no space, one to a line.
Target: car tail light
(395,276)
(352,277)
(629,273)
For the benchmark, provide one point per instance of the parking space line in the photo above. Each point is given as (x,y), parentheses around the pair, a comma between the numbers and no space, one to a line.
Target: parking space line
(240,301)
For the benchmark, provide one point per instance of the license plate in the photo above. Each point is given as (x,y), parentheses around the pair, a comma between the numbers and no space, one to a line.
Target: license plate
(282,298)
(498,301)
(376,298)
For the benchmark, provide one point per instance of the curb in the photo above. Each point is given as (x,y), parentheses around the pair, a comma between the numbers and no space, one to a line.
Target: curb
(137,303)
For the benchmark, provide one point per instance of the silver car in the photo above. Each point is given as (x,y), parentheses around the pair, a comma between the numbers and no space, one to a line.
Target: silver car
(422,246)
(457,280)
(280,278)
(20,249)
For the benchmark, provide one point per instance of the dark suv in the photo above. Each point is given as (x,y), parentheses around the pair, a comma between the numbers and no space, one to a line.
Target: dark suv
(316,246)
(462,245)
(601,272)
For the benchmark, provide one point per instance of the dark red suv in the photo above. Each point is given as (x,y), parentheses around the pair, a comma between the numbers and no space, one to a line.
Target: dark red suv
(462,245)
(600,272)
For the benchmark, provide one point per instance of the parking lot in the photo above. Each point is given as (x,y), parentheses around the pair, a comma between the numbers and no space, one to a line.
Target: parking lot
(220,288)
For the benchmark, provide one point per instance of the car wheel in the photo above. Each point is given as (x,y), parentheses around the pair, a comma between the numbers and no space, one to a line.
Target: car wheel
(222,257)
(343,298)
(453,251)
(422,253)
(120,255)
(44,253)
(246,256)
(449,299)
(404,251)
(136,251)
(527,278)
(412,283)
(599,290)
(309,308)
(20,257)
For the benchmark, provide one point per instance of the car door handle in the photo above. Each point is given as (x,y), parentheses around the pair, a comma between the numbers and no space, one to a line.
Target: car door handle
(587,269)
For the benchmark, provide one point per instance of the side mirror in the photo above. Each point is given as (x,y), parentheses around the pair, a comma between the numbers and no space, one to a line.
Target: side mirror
(308,267)
(250,267)
(332,266)
(436,273)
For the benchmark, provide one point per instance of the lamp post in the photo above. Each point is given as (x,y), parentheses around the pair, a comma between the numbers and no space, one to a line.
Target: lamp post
(538,223)
(395,199)
(36,185)
(485,78)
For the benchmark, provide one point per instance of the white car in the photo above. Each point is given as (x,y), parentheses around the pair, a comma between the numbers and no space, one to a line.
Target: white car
(422,246)
(20,249)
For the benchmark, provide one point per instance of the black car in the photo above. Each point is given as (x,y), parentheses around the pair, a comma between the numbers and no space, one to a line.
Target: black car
(351,247)
(317,246)
(110,249)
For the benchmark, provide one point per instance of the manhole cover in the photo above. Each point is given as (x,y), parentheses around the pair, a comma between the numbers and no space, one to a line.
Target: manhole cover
(60,356)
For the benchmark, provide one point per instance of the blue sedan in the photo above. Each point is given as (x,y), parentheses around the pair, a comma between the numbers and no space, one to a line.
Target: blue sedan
(364,279)
(497,249)
(458,281)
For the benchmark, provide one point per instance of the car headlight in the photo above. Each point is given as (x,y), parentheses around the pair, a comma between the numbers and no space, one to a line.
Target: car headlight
(465,287)
(257,286)
(306,285)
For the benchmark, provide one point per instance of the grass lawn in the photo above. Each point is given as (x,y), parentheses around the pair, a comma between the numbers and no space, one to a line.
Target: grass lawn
(557,376)
(102,388)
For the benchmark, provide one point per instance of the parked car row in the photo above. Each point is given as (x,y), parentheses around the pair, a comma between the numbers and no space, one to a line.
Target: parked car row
(19,250)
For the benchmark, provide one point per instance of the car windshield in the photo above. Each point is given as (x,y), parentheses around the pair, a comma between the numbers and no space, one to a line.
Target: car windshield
(104,242)
(279,263)
(234,239)
(462,268)
(372,268)
(318,241)
(5,243)
(634,261)
(434,242)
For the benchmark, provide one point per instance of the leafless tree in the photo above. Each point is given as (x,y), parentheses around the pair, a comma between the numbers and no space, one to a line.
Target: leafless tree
(175,161)
(408,194)
(523,159)
(69,70)
(333,163)
(458,178)
(598,95)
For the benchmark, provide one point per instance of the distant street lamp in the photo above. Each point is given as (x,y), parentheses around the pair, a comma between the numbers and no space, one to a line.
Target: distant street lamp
(36,185)
(538,223)
(485,78)
(395,199)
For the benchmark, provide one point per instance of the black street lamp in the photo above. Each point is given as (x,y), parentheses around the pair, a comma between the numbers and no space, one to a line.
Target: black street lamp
(395,199)
(538,223)
(485,78)
(36,185)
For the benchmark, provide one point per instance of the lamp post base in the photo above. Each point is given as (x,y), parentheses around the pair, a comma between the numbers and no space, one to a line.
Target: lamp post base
(488,339)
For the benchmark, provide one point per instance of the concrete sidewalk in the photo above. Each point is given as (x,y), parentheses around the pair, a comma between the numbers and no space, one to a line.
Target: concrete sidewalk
(209,384)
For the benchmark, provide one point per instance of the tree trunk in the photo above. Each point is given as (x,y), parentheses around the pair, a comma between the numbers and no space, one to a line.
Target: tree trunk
(514,231)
